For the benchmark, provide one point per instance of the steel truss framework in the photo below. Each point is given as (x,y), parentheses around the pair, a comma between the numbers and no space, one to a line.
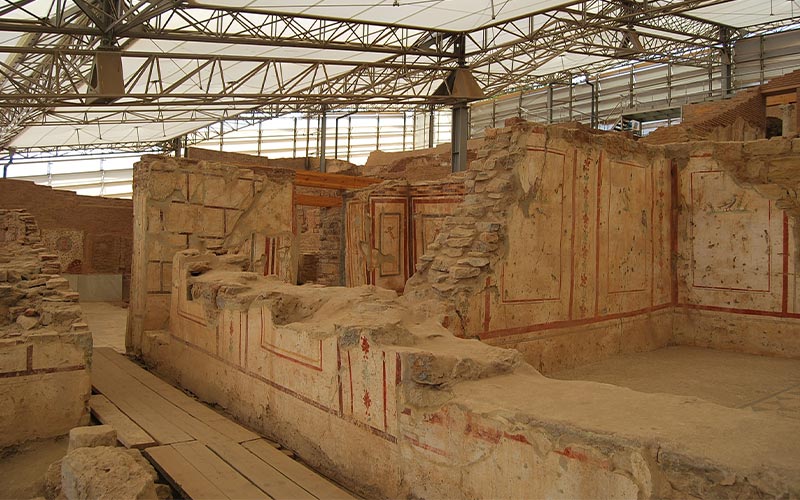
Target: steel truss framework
(46,71)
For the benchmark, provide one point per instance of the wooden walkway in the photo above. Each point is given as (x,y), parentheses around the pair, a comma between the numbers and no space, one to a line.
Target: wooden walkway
(202,453)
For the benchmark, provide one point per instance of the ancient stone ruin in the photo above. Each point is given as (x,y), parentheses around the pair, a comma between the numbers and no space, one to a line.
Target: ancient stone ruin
(413,333)
(567,244)
(45,347)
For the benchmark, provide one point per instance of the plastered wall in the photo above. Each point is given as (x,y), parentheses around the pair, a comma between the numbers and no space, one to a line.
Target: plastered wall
(379,395)
(180,204)
(572,246)
(89,234)
(387,229)
(736,260)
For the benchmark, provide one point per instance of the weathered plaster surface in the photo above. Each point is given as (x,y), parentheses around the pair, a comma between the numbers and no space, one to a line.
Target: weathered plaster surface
(180,204)
(371,389)
(45,348)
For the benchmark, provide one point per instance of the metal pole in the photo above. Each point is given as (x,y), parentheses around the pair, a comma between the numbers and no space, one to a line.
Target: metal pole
(323,133)
(430,127)
(460,135)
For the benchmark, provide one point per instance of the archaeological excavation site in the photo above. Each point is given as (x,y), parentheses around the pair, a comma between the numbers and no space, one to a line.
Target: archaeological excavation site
(399,250)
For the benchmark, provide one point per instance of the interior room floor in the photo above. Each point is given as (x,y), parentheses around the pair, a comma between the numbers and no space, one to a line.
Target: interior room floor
(726,378)
(107,322)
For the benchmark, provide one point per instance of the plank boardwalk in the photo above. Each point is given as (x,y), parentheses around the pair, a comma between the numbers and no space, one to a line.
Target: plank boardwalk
(203,454)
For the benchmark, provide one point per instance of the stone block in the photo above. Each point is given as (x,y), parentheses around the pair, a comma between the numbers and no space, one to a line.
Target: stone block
(474,261)
(13,357)
(461,232)
(53,350)
(154,276)
(458,242)
(27,322)
(219,192)
(463,272)
(453,252)
(57,284)
(91,436)
(212,223)
(105,472)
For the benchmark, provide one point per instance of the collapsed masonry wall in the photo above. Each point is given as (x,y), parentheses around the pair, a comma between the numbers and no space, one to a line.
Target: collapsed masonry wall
(89,234)
(416,165)
(45,347)
(379,395)
(181,203)
(388,228)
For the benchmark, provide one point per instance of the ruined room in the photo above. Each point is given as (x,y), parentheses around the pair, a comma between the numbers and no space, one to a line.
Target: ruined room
(376,249)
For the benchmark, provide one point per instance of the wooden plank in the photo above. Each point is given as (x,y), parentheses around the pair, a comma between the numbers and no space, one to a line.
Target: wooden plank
(258,472)
(184,477)
(773,100)
(333,181)
(128,432)
(223,476)
(138,402)
(297,472)
(175,396)
(310,200)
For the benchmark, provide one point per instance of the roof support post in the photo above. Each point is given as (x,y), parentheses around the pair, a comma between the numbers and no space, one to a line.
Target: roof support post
(431,119)
(460,135)
(323,132)
(725,60)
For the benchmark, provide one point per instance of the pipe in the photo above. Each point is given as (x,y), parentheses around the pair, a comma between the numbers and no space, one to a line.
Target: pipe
(11,152)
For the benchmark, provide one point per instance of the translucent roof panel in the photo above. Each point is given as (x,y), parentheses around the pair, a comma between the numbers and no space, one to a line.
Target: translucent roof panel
(743,13)
(451,15)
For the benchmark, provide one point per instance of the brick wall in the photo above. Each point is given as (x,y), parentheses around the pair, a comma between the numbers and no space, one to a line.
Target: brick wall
(90,234)
(741,118)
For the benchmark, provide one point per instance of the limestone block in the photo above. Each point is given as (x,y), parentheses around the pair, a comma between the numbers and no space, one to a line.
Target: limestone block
(27,322)
(57,284)
(459,242)
(453,252)
(91,436)
(464,272)
(60,313)
(53,350)
(462,232)
(182,218)
(105,472)
(212,223)
(13,357)
(486,227)
(474,261)
(154,276)
(52,480)
(219,192)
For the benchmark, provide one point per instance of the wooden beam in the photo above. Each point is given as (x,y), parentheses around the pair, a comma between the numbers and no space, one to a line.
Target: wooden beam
(333,181)
(787,98)
(310,200)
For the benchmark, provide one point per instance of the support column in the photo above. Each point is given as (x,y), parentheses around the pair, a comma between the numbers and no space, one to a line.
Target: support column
(431,119)
(459,136)
(323,132)
(176,146)
(725,59)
